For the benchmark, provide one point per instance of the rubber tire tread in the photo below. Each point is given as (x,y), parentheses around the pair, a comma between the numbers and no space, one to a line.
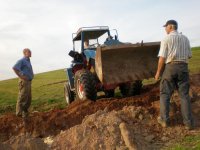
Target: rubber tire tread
(131,89)
(68,92)
(109,93)
(89,84)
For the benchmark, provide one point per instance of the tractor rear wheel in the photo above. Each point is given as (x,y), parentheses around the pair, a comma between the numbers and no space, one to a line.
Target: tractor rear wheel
(126,89)
(109,93)
(130,89)
(85,85)
(69,95)
(137,86)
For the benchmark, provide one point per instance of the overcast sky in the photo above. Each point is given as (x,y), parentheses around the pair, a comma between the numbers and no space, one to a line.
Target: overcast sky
(45,26)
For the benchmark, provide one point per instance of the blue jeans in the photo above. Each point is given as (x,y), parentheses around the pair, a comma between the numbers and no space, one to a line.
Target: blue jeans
(175,76)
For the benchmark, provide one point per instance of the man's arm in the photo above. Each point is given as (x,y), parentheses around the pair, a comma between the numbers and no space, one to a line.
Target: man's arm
(161,64)
(17,69)
(189,48)
(162,57)
(19,74)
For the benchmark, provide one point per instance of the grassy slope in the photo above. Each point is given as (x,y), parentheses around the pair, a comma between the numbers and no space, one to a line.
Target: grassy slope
(48,96)
(188,143)
(194,63)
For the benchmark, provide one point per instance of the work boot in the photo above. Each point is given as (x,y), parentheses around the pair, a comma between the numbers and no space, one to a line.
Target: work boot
(189,127)
(163,123)
(25,114)
(19,114)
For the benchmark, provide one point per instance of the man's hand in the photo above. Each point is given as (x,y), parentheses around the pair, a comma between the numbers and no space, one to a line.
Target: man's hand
(157,76)
(161,65)
(23,78)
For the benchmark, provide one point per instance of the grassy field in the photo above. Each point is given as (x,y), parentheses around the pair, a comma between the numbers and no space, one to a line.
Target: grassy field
(47,91)
(188,143)
(47,88)
(194,63)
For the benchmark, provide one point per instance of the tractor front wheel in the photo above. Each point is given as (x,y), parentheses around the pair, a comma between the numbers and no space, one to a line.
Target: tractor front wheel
(69,95)
(85,85)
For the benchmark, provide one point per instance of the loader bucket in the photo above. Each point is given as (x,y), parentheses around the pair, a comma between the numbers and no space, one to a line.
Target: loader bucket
(126,62)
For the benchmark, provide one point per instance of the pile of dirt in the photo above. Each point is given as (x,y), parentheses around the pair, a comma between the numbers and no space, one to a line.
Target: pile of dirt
(26,142)
(123,129)
(105,124)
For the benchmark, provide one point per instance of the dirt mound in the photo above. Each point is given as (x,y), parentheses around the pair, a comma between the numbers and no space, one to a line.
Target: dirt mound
(109,130)
(5,146)
(111,121)
(26,142)
(129,128)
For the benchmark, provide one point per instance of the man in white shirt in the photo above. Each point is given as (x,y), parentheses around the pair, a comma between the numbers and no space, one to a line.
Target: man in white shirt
(173,67)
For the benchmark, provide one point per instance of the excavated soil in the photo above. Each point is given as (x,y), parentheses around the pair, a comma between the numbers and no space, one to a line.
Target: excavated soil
(115,123)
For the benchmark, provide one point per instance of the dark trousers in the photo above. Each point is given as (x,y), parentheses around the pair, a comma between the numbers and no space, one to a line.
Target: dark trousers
(175,76)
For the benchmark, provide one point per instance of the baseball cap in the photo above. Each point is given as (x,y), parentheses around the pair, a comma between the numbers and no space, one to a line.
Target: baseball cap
(172,22)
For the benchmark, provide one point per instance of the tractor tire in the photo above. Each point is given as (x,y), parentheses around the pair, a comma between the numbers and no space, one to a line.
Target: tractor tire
(137,86)
(68,94)
(85,85)
(126,89)
(131,89)
(109,93)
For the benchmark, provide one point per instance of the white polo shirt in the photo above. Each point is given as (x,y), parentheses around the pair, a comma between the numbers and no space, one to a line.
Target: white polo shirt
(175,47)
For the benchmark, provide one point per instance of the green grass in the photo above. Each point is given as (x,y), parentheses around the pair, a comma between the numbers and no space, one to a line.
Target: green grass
(47,92)
(194,62)
(188,143)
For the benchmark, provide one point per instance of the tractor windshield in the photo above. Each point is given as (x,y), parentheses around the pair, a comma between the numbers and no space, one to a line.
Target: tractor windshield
(91,43)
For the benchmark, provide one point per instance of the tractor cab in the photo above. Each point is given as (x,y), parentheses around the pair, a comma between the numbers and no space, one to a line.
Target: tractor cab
(85,42)
(87,39)
(94,36)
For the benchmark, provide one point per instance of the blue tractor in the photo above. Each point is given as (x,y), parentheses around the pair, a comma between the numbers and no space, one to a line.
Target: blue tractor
(102,63)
